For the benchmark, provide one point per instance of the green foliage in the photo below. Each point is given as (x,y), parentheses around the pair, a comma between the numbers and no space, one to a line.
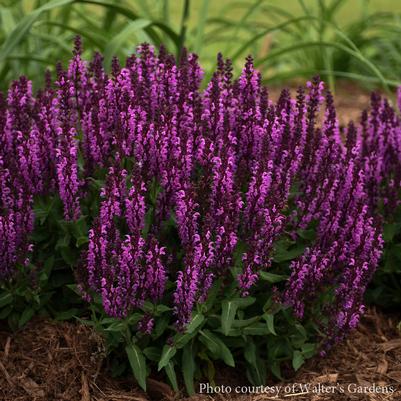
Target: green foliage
(257,334)
(19,302)
(315,40)
(138,363)
(31,38)
(36,288)
(46,285)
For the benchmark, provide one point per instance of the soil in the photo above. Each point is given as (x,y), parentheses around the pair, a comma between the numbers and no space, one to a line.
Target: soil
(49,361)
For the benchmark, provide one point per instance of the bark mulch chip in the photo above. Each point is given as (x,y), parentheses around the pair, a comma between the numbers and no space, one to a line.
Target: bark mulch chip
(64,361)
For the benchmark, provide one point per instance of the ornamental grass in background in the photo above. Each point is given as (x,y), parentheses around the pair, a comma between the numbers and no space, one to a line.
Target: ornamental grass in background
(199,221)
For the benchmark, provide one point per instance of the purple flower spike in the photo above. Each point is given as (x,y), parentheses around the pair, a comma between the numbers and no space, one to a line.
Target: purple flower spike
(198,185)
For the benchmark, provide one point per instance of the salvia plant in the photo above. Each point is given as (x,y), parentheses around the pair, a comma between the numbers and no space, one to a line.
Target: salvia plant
(199,226)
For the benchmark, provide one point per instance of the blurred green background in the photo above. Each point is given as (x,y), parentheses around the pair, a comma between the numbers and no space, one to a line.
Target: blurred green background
(290,40)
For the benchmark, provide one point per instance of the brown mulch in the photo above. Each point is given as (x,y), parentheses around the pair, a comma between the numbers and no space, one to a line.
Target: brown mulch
(370,356)
(65,361)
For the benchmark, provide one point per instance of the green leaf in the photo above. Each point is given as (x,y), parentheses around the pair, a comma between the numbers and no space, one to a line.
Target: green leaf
(48,265)
(243,303)
(217,347)
(239,323)
(210,341)
(236,332)
(276,369)
(138,364)
(81,241)
(258,329)
(148,307)
(5,312)
(63,242)
(134,318)
(161,325)
(152,353)
(154,191)
(74,288)
(162,308)
(169,368)
(5,299)
(167,353)
(68,255)
(301,330)
(68,314)
(40,235)
(250,352)
(148,221)
(196,321)
(117,327)
(257,367)
(309,234)
(26,316)
(212,295)
(389,231)
(188,368)
(180,340)
(268,304)
(79,228)
(229,310)
(108,320)
(308,350)
(270,322)
(282,255)
(272,278)
(396,251)
(297,360)
(13,320)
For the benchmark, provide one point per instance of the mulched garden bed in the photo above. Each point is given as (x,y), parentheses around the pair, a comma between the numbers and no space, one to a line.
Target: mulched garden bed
(65,361)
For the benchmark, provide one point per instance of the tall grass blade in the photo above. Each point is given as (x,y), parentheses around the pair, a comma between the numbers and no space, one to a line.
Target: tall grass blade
(7,20)
(136,28)
(201,27)
(183,28)
(97,40)
(23,27)
(338,46)
(266,32)
(240,24)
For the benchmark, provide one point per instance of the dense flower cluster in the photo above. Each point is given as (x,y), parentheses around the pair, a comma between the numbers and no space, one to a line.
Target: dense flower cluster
(197,184)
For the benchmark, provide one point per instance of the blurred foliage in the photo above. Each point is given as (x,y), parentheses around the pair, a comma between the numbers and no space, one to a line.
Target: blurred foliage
(318,39)
(335,38)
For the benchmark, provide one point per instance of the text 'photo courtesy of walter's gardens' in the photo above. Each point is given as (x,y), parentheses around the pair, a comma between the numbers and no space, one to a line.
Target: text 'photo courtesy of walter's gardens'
(200,200)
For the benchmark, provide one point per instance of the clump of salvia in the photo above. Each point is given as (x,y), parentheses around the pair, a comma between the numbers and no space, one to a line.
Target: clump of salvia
(227,168)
